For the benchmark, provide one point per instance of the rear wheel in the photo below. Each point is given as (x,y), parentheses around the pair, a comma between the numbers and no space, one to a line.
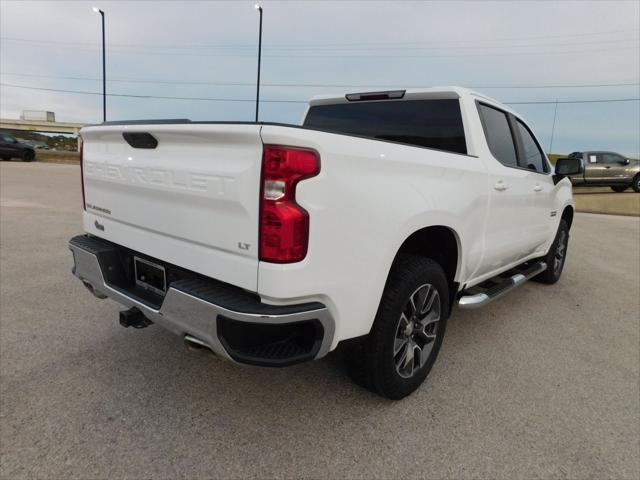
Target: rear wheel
(636,183)
(556,257)
(397,355)
(28,156)
(619,188)
(6,159)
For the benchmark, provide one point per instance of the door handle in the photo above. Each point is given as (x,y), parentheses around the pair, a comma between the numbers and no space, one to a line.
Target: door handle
(607,166)
(500,186)
(537,188)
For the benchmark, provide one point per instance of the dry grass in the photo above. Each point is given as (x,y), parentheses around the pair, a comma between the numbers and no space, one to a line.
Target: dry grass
(627,203)
(49,156)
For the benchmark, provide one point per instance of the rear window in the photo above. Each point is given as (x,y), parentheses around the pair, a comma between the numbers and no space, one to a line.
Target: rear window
(422,123)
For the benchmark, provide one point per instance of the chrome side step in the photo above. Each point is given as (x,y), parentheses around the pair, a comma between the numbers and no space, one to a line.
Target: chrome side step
(501,288)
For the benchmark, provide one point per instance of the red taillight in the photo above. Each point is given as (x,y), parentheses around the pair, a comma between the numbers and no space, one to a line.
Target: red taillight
(284,225)
(84,205)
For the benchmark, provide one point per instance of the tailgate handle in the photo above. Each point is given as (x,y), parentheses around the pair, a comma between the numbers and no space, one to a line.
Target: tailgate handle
(140,139)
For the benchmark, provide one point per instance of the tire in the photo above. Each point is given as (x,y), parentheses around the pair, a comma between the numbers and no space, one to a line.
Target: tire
(28,156)
(380,362)
(556,257)
(635,184)
(6,159)
(619,188)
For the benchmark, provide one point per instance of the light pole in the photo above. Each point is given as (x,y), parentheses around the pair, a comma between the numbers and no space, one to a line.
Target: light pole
(259,8)
(104,69)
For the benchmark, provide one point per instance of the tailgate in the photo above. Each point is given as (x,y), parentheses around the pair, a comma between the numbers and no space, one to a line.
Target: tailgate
(191,201)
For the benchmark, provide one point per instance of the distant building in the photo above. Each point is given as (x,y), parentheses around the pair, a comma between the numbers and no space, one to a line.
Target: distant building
(38,116)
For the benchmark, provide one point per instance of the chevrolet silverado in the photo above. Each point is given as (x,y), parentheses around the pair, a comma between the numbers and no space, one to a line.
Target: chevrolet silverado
(273,244)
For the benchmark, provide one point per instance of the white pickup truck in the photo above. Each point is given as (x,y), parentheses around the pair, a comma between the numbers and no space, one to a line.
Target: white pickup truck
(272,244)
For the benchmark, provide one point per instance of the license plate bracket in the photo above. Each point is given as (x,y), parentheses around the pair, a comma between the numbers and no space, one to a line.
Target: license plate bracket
(149,275)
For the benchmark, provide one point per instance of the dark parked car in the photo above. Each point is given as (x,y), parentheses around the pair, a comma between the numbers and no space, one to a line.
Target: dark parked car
(12,148)
(607,169)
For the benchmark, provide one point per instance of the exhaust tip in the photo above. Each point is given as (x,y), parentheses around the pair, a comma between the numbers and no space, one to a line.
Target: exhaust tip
(95,292)
(194,344)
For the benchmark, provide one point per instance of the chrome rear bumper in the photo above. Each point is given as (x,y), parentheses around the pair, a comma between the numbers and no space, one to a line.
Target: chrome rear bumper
(190,308)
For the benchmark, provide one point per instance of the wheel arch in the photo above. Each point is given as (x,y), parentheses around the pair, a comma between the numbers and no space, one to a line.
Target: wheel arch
(567,215)
(439,243)
(635,182)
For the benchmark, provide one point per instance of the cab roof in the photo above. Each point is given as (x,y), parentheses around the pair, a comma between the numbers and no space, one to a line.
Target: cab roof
(399,94)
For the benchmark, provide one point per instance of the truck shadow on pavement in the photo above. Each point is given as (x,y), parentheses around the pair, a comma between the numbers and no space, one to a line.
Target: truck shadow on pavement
(145,364)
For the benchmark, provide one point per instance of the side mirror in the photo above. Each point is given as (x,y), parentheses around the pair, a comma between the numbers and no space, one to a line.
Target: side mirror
(625,161)
(567,166)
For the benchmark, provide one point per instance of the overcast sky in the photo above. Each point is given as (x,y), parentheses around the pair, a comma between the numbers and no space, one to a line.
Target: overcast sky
(208,50)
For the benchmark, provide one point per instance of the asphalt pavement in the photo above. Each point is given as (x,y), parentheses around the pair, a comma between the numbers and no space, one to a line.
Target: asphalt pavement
(543,383)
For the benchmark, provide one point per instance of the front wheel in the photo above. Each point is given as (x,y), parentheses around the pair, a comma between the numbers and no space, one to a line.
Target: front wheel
(397,355)
(28,156)
(619,188)
(636,183)
(556,257)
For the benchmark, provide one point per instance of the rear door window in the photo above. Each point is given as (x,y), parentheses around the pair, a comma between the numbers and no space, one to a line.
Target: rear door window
(424,123)
(498,133)
(532,156)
